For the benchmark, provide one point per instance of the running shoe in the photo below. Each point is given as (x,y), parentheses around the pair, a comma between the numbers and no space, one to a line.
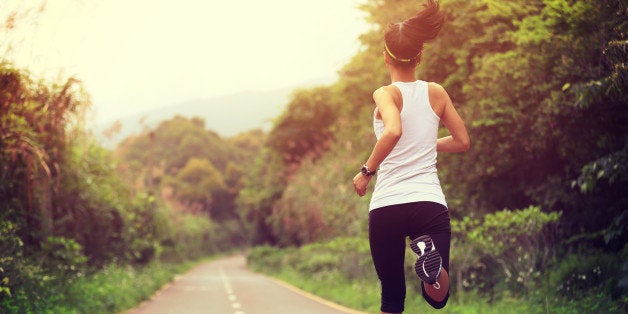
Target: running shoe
(429,262)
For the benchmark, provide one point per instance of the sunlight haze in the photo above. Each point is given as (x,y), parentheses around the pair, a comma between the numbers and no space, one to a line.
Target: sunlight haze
(141,54)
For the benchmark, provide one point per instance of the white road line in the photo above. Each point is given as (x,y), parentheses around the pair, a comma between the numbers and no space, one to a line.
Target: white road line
(230,295)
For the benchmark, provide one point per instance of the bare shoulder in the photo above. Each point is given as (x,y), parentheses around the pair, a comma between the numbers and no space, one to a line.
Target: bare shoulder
(436,91)
(387,89)
(390,92)
(439,98)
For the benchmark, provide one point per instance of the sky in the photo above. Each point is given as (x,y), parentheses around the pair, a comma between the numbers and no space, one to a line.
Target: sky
(134,55)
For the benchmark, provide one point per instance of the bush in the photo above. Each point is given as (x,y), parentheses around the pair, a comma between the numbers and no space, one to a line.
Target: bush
(268,259)
(22,281)
(341,270)
(578,275)
(63,256)
(342,258)
(519,241)
(114,288)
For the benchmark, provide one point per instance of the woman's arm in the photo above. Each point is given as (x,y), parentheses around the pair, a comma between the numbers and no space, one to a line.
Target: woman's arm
(389,111)
(459,140)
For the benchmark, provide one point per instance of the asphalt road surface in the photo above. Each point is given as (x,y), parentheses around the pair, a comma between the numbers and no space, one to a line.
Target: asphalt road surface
(225,286)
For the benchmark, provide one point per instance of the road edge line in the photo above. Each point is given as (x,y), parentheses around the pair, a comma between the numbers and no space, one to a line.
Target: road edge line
(313,296)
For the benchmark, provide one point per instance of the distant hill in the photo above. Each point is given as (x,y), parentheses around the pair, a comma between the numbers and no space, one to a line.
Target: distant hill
(226,115)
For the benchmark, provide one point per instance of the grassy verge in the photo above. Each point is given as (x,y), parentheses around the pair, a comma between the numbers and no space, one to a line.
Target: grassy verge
(341,271)
(111,290)
(364,296)
(116,288)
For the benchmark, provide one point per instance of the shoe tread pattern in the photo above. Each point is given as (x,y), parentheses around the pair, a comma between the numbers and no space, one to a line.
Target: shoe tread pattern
(429,263)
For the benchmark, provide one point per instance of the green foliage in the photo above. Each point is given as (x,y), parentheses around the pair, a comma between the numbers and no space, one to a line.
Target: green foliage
(268,259)
(171,144)
(114,288)
(342,258)
(35,119)
(341,270)
(520,241)
(541,85)
(303,130)
(264,185)
(611,169)
(24,282)
(64,210)
(198,185)
(518,111)
(11,252)
(578,275)
(300,217)
(189,237)
(63,255)
(542,88)
(189,167)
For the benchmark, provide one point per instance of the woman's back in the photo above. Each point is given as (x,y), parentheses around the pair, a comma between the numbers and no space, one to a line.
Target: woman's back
(408,174)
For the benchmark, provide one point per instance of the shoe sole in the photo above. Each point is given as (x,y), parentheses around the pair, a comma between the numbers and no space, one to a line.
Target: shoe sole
(429,263)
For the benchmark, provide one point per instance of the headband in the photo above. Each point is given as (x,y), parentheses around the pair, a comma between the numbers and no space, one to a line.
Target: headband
(400,59)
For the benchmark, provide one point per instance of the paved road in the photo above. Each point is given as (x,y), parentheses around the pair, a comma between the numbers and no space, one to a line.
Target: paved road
(225,286)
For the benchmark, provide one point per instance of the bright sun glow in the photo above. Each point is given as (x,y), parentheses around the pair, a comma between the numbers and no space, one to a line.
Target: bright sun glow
(132,55)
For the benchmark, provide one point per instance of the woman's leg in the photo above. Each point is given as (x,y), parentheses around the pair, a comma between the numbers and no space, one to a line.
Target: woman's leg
(437,294)
(434,221)
(387,250)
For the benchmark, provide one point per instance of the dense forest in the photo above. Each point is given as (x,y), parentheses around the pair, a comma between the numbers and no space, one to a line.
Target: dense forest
(541,85)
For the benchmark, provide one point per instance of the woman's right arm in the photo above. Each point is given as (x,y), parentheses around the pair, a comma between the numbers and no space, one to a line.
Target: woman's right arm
(459,140)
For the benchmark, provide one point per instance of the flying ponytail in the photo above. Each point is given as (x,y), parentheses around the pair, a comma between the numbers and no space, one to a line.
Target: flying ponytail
(404,41)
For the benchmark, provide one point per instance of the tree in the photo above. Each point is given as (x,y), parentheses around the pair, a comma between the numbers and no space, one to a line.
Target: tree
(198,185)
(167,156)
(303,129)
(263,186)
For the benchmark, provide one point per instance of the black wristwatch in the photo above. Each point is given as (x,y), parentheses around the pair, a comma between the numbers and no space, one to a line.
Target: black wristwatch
(365,171)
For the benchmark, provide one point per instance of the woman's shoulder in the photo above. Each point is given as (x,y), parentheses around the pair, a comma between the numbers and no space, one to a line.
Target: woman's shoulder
(438,97)
(391,90)
(435,88)
(436,91)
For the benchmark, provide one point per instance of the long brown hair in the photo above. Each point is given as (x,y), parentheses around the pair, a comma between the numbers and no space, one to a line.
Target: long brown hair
(404,41)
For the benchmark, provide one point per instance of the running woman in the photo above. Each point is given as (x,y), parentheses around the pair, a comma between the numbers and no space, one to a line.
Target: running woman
(408,200)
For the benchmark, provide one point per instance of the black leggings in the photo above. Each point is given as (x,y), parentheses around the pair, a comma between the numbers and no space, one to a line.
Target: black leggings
(388,228)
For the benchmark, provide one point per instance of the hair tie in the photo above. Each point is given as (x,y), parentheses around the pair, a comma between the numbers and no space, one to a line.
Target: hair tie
(400,59)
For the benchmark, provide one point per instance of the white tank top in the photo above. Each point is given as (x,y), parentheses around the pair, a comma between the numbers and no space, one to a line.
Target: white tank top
(408,174)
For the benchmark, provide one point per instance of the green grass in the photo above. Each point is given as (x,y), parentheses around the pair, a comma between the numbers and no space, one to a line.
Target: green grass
(364,296)
(117,288)
(112,289)
(341,271)
(355,295)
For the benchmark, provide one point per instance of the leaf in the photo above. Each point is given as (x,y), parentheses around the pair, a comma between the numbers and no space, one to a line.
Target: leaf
(566,86)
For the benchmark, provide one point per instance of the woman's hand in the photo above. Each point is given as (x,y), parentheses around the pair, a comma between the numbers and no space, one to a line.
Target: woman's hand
(387,99)
(360,183)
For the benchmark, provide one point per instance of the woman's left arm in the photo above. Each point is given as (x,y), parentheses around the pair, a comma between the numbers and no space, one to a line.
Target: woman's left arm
(389,112)
(458,141)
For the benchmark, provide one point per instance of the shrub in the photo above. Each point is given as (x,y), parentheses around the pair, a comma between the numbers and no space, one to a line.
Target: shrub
(341,258)
(577,275)
(63,256)
(519,241)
